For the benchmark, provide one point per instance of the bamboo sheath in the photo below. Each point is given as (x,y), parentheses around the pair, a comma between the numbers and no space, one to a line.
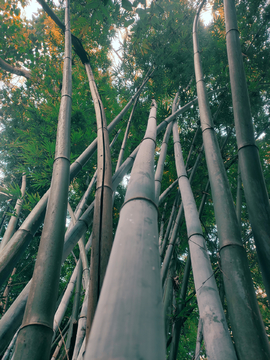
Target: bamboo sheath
(216,334)
(249,161)
(128,323)
(35,334)
(247,326)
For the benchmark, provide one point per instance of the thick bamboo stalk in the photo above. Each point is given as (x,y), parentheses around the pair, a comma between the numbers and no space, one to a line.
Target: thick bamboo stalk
(247,326)
(251,171)
(14,219)
(34,338)
(216,334)
(129,321)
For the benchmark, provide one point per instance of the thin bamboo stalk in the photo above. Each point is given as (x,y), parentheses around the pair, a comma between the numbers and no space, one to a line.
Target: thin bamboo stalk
(216,334)
(4,301)
(239,197)
(6,355)
(199,340)
(256,195)
(169,226)
(178,323)
(247,326)
(167,191)
(177,224)
(163,152)
(14,219)
(129,322)
(123,146)
(34,338)
(161,229)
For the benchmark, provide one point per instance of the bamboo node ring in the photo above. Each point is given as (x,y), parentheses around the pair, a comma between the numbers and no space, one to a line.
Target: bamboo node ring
(141,198)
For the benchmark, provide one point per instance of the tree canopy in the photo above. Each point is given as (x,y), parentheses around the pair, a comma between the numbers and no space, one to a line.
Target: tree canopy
(126,42)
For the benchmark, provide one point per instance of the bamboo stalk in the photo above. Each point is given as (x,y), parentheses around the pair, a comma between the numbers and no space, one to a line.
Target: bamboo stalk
(14,219)
(247,326)
(216,334)
(178,323)
(129,319)
(161,229)
(163,152)
(199,340)
(34,338)
(256,195)
(177,224)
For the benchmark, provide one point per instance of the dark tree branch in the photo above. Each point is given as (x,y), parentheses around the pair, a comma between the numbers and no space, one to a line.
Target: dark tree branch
(14,70)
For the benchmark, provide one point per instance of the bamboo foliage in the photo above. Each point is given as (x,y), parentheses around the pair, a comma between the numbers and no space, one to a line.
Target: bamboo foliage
(245,320)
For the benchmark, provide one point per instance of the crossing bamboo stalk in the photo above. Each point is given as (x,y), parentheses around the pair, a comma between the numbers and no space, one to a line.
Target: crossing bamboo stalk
(256,195)
(247,326)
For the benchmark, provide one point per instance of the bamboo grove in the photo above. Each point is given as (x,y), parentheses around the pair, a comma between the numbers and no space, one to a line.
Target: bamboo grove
(134,150)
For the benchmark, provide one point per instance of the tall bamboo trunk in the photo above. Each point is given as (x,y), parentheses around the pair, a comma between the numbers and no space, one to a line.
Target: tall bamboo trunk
(34,338)
(128,323)
(251,171)
(247,326)
(216,334)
